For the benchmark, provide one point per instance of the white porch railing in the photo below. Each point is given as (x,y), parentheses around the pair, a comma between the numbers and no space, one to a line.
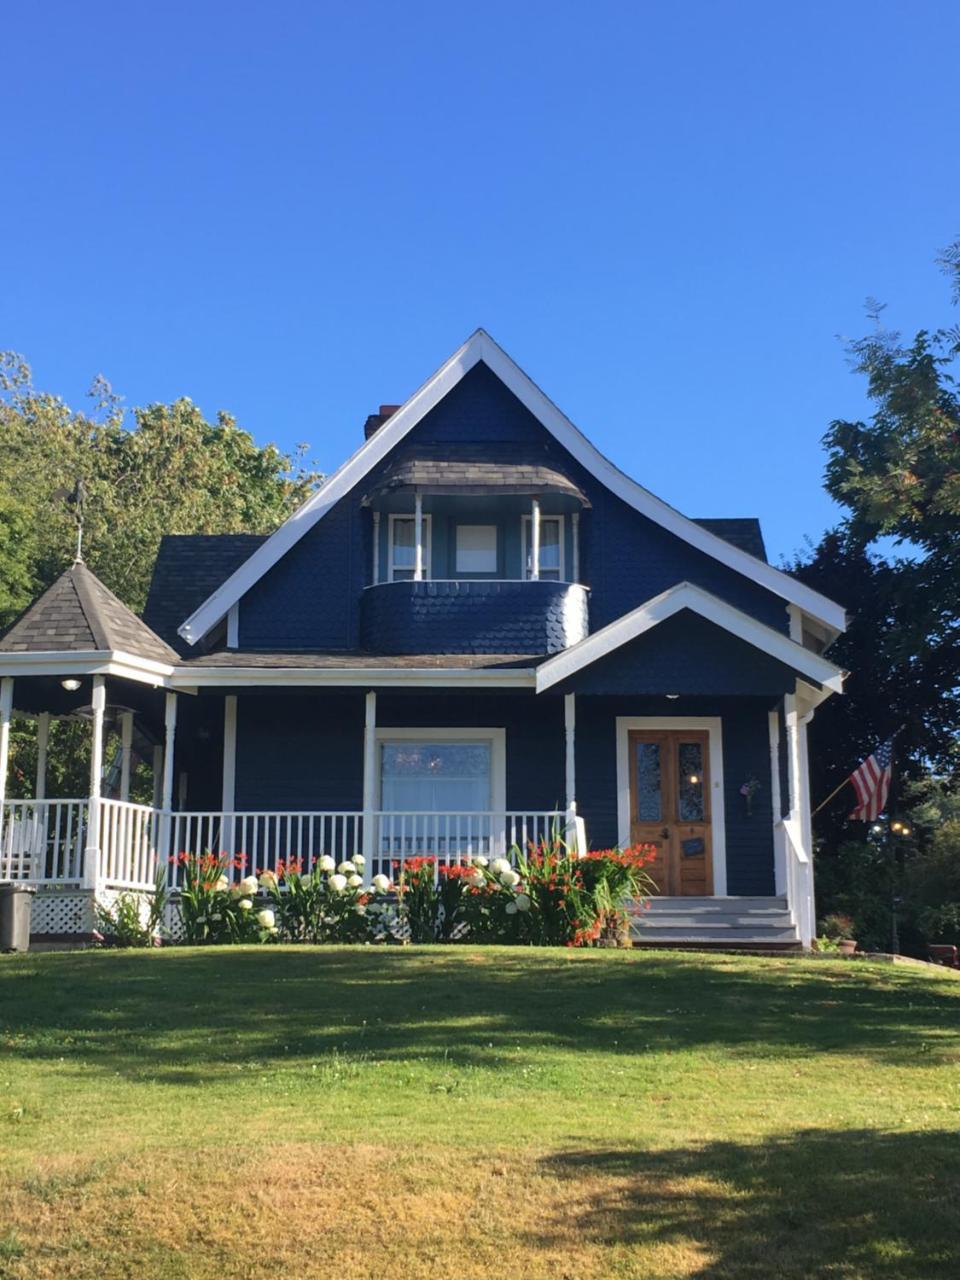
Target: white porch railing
(798,872)
(44,841)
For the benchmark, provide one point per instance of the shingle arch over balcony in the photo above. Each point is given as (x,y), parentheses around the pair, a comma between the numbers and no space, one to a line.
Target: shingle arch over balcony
(473,616)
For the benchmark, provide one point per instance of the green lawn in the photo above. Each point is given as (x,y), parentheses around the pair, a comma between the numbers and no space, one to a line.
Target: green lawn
(468,1113)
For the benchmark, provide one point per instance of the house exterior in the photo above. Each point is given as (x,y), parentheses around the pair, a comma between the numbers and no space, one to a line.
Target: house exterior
(477,631)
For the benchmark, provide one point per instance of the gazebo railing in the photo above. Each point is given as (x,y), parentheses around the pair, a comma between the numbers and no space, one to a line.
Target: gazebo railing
(43,841)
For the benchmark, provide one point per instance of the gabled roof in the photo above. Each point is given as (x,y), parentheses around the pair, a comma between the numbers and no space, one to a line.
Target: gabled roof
(187,569)
(78,614)
(481,347)
(687,596)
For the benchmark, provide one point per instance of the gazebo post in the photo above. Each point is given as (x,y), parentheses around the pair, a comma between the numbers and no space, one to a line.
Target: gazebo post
(43,738)
(6,714)
(91,858)
(126,752)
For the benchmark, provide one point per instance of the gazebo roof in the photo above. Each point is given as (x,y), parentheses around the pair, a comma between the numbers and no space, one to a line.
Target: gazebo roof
(77,613)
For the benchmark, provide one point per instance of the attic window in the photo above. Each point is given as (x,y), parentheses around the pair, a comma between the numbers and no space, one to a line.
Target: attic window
(476,548)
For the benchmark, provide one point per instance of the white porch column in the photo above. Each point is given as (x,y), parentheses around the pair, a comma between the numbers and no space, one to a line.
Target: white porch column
(228,795)
(800,820)
(126,752)
(535,541)
(43,740)
(6,715)
(570,733)
(369,776)
(375,574)
(418,536)
(92,852)
(166,793)
(776,804)
(575,539)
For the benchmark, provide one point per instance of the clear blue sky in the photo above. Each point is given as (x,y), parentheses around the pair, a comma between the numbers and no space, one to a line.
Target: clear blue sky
(665,212)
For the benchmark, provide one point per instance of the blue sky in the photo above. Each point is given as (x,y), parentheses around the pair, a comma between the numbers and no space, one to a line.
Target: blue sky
(665,212)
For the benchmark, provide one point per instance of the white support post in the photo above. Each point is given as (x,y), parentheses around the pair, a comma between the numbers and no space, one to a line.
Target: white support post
(43,741)
(375,574)
(126,752)
(228,795)
(92,852)
(779,843)
(418,536)
(535,541)
(6,715)
(369,775)
(575,539)
(800,818)
(570,735)
(166,793)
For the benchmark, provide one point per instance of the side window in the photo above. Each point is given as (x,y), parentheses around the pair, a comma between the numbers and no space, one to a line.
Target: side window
(551,548)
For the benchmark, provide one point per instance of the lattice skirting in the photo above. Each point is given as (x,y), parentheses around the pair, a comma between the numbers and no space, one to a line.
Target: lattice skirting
(59,911)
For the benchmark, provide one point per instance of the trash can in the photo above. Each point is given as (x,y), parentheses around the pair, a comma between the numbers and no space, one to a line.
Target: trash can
(15,911)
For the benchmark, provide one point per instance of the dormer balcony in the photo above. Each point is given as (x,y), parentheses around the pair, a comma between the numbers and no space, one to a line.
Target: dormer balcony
(474,553)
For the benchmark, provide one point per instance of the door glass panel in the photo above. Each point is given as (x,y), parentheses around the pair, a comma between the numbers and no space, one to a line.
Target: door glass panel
(649,797)
(690,774)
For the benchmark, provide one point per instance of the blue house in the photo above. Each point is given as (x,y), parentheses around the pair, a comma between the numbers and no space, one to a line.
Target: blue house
(475,632)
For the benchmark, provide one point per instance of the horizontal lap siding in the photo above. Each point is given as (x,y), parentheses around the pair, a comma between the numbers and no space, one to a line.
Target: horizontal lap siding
(746,754)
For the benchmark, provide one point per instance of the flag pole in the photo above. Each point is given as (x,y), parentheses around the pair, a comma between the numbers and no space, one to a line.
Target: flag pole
(830,797)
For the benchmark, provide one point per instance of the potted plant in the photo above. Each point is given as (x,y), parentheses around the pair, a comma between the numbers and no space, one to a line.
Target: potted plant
(838,929)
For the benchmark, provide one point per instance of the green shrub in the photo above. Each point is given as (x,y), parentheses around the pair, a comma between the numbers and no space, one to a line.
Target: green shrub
(132,919)
(329,903)
(211,910)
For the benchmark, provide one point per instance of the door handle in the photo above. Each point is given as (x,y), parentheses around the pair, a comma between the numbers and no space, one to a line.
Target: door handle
(665,833)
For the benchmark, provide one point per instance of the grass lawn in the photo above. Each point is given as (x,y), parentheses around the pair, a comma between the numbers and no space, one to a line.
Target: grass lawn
(468,1113)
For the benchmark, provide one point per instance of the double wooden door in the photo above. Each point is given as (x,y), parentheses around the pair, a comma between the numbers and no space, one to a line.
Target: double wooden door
(670,807)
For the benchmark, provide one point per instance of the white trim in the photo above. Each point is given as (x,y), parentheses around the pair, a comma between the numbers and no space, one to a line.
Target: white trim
(384,677)
(426,548)
(687,596)
(471,733)
(85,662)
(233,626)
(714,727)
(525,523)
(481,347)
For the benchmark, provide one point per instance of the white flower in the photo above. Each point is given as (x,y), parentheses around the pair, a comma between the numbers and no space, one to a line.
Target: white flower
(222,885)
(245,904)
(479,860)
(338,883)
(358,860)
(266,918)
(326,863)
(346,868)
(522,901)
(511,908)
(354,881)
(499,865)
(509,878)
(381,883)
(248,885)
(306,881)
(476,879)
(267,880)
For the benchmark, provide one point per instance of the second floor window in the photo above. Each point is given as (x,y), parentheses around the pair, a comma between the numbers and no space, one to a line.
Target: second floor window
(551,548)
(403,548)
(476,548)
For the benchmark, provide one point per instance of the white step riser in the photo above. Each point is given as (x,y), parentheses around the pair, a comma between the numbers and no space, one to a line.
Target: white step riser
(717,937)
(680,921)
(717,904)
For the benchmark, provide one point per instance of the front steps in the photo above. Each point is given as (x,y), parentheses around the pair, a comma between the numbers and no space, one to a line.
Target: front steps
(728,924)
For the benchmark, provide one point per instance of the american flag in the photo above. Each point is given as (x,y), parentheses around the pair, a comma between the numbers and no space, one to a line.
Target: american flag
(872,783)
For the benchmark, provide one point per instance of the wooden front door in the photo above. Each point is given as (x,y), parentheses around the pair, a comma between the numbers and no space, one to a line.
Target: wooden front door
(670,807)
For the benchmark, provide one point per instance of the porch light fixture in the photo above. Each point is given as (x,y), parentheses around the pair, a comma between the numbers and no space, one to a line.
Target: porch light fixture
(70,685)
(673,696)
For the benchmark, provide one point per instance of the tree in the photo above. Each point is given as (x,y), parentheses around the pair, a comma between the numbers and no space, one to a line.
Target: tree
(170,472)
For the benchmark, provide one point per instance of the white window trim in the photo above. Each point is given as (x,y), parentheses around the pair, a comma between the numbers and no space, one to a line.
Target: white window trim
(525,523)
(714,727)
(427,546)
(498,755)
(496,549)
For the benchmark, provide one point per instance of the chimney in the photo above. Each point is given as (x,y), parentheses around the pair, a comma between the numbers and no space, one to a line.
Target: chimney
(376,420)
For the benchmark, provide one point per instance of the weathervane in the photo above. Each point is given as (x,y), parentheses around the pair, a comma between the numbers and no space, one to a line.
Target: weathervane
(75,500)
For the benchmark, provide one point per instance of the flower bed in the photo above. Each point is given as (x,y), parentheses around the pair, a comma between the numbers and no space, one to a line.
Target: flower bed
(542,896)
